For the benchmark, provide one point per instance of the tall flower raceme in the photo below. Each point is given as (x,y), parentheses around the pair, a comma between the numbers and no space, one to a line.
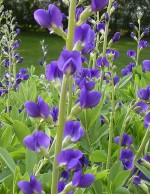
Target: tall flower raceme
(96,84)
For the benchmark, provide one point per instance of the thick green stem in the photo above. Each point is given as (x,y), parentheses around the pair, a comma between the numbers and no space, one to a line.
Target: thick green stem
(70,42)
(111,125)
(60,130)
(143,144)
(62,105)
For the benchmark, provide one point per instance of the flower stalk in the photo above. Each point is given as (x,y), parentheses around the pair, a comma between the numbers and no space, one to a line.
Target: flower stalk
(63,96)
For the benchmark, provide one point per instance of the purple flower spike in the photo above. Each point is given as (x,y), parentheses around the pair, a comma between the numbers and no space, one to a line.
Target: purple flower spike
(70,158)
(127,156)
(143,44)
(89,99)
(73,130)
(143,94)
(53,72)
(131,53)
(98,5)
(37,140)
(147,120)
(34,186)
(49,19)
(69,62)
(146,65)
(82,181)
(126,140)
(116,37)
(40,109)
(86,36)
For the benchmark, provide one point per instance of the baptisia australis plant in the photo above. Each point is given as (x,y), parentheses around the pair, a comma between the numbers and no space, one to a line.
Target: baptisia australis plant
(97,139)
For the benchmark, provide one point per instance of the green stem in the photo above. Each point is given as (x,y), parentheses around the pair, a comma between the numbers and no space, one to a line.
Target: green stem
(70,42)
(111,125)
(143,144)
(70,95)
(60,130)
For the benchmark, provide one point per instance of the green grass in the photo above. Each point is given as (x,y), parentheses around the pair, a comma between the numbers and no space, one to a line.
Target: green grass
(31,50)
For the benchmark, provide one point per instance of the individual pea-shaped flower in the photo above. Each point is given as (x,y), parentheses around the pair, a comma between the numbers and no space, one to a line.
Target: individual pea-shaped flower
(132,25)
(83,83)
(128,69)
(102,62)
(147,120)
(69,62)
(146,31)
(112,54)
(89,99)
(143,44)
(34,186)
(61,186)
(40,109)
(54,113)
(78,13)
(64,176)
(116,37)
(101,27)
(136,180)
(53,72)
(143,94)
(82,181)
(114,7)
(131,53)
(127,157)
(50,18)
(126,140)
(85,35)
(97,5)
(141,106)
(133,36)
(70,159)
(116,79)
(73,130)
(37,141)
(146,65)
(94,73)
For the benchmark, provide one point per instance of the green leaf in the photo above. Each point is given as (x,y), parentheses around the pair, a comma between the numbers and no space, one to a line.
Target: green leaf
(7,159)
(97,186)
(124,81)
(21,130)
(98,156)
(121,190)
(6,137)
(4,175)
(30,161)
(114,171)
(45,178)
(121,179)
